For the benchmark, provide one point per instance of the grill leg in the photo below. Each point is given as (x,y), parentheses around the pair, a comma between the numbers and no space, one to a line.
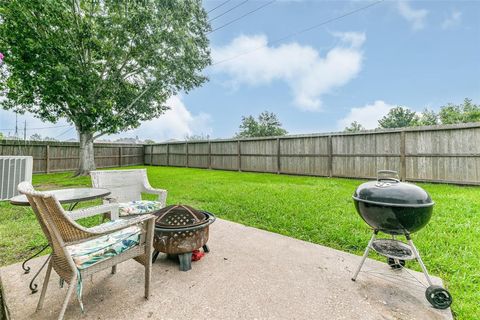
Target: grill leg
(365,254)
(185,260)
(417,256)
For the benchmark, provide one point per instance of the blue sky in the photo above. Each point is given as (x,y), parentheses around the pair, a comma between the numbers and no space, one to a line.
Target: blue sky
(413,53)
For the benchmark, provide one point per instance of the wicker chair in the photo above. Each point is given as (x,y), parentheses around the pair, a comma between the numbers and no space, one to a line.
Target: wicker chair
(66,236)
(126,187)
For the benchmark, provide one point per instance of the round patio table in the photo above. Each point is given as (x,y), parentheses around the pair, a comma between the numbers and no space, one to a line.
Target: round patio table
(64,196)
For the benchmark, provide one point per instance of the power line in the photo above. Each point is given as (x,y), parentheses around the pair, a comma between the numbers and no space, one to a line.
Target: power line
(220,5)
(301,31)
(242,16)
(40,128)
(64,132)
(222,14)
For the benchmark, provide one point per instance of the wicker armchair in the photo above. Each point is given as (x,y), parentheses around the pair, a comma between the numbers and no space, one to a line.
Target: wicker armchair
(126,187)
(78,251)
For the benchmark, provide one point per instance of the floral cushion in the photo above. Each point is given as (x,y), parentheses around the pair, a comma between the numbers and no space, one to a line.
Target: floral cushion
(102,248)
(99,249)
(138,207)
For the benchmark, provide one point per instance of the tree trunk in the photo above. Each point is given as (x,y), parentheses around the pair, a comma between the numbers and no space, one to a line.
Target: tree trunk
(87,161)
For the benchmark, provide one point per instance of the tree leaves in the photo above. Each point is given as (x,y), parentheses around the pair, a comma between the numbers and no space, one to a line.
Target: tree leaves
(105,66)
(266,126)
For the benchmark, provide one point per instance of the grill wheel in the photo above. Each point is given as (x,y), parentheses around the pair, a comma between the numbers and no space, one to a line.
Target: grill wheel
(439,297)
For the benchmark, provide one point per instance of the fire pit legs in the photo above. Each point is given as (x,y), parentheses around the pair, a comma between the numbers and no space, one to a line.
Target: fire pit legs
(185,260)
(155,255)
(206,249)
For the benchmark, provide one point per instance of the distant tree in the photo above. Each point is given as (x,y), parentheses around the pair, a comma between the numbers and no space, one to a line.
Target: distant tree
(1,136)
(197,137)
(105,66)
(354,127)
(428,118)
(36,137)
(399,117)
(148,141)
(49,139)
(461,113)
(267,125)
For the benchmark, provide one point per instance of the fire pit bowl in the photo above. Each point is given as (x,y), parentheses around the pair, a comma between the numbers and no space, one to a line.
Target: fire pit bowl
(179,230)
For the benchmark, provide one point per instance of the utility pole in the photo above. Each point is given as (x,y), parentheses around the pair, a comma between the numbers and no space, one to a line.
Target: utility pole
(16,125)
(25,132)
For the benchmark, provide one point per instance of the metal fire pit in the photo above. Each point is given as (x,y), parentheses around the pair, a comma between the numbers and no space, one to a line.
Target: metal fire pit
(179,230)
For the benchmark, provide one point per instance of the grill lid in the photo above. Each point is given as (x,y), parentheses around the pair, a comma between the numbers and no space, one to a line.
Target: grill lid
(388,190)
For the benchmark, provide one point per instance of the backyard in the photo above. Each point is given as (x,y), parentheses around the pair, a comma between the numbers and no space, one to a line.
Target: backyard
(318,210)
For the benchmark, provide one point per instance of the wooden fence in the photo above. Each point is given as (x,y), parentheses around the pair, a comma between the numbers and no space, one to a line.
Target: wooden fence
(448,154)
(63,156)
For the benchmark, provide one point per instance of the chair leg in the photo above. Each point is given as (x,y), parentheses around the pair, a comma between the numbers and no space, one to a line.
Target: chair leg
(114,269)
(45,285)
(148,256)
(71,286)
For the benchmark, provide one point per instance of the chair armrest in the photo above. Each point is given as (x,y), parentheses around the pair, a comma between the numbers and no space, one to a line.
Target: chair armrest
(106,228)
(162,194)
(110,199)
(111,208)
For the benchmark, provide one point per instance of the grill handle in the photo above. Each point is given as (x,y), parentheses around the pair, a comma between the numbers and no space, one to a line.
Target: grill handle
(390,175)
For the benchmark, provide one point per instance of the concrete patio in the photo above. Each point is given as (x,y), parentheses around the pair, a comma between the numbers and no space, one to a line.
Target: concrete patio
(249,274)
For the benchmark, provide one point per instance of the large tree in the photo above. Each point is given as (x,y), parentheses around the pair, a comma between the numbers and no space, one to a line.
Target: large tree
(104,65)
(399,117)
(267,125)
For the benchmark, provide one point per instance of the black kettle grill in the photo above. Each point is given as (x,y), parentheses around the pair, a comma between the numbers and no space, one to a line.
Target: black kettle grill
(397,208)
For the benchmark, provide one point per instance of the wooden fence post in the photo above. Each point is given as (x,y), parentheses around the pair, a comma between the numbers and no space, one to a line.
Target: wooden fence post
(239,153)
(403,162)
(168,154)
(330,156)
(151,155)
(119,156)
(186,154)
(209,155)
(47,159)
(279,168)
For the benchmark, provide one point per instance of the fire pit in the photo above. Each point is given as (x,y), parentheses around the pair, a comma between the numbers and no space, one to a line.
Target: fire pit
(179,230)
(397,208)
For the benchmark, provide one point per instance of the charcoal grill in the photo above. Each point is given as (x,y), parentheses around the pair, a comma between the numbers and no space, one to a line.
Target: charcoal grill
(179,230)
(397,208)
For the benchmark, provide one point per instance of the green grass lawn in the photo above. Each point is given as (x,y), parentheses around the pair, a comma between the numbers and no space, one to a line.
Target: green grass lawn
(318,210)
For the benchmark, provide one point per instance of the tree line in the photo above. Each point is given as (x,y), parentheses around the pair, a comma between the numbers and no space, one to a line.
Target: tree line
(402,116)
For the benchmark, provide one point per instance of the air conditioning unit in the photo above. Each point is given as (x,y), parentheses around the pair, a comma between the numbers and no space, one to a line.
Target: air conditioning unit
(13,170)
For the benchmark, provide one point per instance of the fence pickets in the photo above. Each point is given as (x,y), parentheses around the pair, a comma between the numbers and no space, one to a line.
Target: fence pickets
(64,156)
(438,154)
(448,154)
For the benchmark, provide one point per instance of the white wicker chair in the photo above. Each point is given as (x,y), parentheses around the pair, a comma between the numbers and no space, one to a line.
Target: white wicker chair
(65,235)
(126,187)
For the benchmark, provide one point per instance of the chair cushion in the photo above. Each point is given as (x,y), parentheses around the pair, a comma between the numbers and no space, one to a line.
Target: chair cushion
(99,249)
(138,207)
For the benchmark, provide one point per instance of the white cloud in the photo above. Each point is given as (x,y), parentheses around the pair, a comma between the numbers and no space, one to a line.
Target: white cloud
(308,75)
(175,123)
(453,20)
(367,115)
(416,17)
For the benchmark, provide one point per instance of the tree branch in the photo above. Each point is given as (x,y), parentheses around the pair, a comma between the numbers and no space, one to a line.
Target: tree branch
(125,110)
